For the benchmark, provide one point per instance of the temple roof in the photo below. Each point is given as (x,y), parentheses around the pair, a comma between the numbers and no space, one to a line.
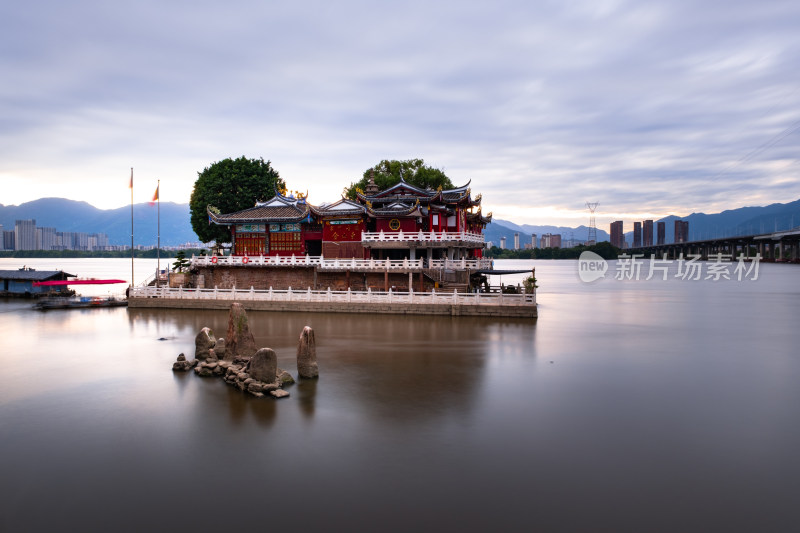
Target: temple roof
(343,207)
(396,209)
(400,200)
(478,216)
(405,191)
(277,209)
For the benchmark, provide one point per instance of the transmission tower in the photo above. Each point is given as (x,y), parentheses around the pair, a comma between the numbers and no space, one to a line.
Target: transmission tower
(592,226)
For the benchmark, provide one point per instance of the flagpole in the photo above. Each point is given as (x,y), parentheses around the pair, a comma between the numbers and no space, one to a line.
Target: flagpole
(131,226)
(158,250)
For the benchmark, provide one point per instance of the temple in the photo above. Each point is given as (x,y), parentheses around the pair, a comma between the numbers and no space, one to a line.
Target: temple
(402,222)
(401,250)
(401,238)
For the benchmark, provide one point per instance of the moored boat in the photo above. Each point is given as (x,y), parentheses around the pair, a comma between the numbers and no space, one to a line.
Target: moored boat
(81,302)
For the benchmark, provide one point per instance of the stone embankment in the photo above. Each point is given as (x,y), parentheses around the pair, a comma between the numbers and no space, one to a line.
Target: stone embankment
(240,363)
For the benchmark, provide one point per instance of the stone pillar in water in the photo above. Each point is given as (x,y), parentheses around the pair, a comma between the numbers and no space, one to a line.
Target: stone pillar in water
(203,343)
(239,343)
(307,355)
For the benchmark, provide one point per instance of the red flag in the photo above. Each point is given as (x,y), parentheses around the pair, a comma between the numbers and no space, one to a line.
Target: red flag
(155,197)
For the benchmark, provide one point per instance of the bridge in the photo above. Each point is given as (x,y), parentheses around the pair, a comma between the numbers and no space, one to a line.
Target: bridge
(776,246)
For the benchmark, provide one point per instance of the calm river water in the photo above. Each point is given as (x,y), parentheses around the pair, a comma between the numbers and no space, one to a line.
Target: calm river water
(629,406)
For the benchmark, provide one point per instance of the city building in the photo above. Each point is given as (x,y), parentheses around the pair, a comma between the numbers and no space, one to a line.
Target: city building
(533,241)
(516,241)
(45,238)
(550,240)
(681,231)
(661,230)
(637,234)
(617,234)
(502,243)
(647,233)
(8,240)
(25,235)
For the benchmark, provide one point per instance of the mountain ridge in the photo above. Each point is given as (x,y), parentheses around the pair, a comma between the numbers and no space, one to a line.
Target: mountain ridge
(80,216)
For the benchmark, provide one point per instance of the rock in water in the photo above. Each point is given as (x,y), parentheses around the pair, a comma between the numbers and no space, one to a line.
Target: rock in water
(263,365)
(220,348)
(307,355)
(240,341)
(202,343)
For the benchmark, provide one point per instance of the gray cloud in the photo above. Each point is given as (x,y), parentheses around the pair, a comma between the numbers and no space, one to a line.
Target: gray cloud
(646,107)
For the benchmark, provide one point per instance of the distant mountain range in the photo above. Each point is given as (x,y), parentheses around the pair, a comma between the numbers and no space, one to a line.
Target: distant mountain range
(742,221)
(71,215)
(504,228)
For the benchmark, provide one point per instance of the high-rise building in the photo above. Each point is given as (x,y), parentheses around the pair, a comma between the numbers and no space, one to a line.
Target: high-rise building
(25,235)
(8,240)
(516,241)
(637,234)
(45,238)
(2,238)
(502,243)
(617,235)
(549,240)
(661,230)
(647,233)
(534,243)
(681,230)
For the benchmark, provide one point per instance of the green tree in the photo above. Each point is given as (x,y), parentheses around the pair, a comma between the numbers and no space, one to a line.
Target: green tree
(413,171)
(180,261)
(230,185)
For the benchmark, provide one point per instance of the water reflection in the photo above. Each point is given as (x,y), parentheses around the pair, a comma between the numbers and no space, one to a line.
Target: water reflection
(653,388)
(390,368)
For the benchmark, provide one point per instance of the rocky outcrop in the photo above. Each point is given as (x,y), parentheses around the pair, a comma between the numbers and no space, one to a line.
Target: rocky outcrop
(237,361)
(203,343)
(263,366)
(307,355)
(239,376)
(284,378)
(182,365)
(239,342)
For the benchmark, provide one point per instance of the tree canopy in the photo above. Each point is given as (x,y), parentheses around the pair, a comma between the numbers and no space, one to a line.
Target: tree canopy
(230,185)
(389,172)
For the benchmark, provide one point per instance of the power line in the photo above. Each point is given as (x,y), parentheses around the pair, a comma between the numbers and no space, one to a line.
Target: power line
(793,127)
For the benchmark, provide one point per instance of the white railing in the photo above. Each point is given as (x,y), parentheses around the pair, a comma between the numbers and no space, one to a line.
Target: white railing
(307,295)
(339,264)
(423,236)
(461,264)
(309,261)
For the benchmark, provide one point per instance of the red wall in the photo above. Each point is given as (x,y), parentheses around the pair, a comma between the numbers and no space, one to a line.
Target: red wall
(342,232)
(406,225)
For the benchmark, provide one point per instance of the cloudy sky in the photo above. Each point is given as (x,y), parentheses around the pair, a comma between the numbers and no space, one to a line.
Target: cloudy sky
(650,108)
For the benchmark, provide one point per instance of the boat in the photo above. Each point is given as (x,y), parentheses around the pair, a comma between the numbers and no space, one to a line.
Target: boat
(80,302)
